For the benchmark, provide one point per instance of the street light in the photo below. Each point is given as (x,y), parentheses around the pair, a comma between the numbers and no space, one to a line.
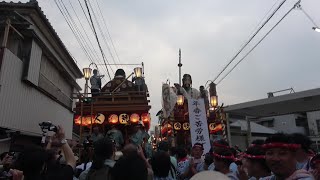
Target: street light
(138,72)
(87,73)
(213,95)
(316,29)
(180,100)
(214,101)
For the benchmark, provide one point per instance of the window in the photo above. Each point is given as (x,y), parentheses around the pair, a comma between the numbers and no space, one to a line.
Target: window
(234,116)
(268,123)
(301,122)
(318,124)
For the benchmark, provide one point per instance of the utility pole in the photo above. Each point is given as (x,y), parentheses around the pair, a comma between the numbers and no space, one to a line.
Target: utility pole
(248,131)
(179,65)
(228,130)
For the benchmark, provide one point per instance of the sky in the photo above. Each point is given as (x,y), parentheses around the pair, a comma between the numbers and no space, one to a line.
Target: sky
(209,33)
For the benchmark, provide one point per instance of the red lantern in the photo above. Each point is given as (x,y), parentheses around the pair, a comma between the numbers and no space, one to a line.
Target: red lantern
(217,128)
(113,119)
(77,120)
(145,117)
(134,118)
(86,120)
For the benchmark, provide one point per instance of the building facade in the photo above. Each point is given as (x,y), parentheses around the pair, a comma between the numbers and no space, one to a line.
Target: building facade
(297,112)
(37,75)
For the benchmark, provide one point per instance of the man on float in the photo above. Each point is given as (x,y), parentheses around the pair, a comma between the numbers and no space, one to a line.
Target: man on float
(138,135)
(95,82)
(116,135)
(119,83)
(186,88)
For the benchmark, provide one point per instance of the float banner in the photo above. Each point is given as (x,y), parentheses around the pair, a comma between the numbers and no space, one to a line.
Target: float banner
(198,123)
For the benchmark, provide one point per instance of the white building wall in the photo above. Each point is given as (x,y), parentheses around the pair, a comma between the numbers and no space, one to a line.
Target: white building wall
(312,122)
(22,107)
(241,140)
(287,124)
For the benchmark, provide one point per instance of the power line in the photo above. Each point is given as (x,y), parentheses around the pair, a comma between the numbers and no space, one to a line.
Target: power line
(85,14)
(72,25)
(103,36)
(108,32)
(296,5)
(93,51)
(308,16)
(95,33)
(88,49)
(241,49)
(73,31)
(266,14)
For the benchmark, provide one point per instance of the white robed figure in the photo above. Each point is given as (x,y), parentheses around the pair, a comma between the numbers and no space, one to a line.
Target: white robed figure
(186,89)
(169,94)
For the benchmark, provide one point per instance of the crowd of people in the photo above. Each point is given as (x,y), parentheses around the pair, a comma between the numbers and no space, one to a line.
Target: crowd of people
(279,157)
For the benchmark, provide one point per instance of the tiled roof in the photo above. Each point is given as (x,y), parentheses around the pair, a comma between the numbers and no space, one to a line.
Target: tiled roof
(33,4)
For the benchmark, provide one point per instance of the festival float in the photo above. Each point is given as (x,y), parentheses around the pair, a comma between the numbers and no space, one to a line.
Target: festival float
(122,104)
(182,123)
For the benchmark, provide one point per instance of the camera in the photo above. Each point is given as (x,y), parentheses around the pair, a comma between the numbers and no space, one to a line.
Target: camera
(48,126)
(87,143)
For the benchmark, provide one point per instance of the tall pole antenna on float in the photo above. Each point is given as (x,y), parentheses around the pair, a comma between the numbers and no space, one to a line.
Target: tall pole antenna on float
(180,65)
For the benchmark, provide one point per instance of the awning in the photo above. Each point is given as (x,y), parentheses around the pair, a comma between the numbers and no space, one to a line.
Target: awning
(304,101)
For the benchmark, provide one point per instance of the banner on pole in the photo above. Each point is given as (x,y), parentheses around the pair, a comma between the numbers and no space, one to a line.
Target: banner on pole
(198,123)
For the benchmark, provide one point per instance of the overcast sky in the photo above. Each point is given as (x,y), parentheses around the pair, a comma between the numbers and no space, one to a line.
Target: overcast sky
(209,32)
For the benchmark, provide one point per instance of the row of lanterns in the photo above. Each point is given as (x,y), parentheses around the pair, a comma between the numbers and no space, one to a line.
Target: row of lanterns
(113,119)
(125,118)
(86,120)
(186,126)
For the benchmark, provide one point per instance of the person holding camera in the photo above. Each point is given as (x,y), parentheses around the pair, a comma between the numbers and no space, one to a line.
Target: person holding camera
(57,170)
(6,163)
(35,164)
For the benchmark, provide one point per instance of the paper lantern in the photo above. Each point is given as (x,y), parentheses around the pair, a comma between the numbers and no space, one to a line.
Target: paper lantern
(86,120)
(166,128)
(77,120)
(186,126)
(99,119)
(113,119)
(217,128)
(145,117)
(124,118)
(177,126)
(212,126)
(134,118)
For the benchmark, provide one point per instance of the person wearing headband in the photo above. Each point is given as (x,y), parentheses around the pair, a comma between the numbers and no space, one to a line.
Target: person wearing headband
(221,145)
(222,161)
(196,163)
(255,161)
(280,157)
